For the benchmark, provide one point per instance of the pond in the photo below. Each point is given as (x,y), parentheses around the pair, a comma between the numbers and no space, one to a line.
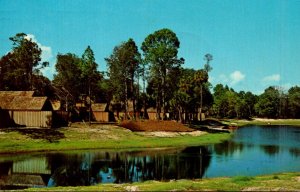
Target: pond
(252,150)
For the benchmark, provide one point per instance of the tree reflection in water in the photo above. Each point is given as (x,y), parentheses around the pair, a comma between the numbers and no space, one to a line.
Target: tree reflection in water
(228,148)
(120,167)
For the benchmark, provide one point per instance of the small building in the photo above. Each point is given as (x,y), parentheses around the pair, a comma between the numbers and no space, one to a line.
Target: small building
(100,112)
(60,115)
(21,108)
(151,112)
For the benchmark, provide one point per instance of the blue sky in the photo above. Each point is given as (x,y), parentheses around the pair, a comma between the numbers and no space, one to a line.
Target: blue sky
(255,43)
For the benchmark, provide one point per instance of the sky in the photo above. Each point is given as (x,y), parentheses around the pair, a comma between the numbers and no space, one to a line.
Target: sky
(254,43)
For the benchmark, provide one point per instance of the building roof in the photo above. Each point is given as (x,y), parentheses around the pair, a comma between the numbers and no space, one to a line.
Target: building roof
(56,104)
(22,103)
(151,110)
(99,107)
(21,100)
(16,93)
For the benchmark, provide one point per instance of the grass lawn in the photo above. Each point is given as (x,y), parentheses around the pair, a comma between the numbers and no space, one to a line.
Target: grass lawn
(96,136)
(82,136)
(258,121)
(274,182)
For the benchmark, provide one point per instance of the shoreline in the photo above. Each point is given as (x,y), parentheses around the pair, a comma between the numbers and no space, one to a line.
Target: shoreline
(112,137)
(97,137)
(289,181)
(262,121)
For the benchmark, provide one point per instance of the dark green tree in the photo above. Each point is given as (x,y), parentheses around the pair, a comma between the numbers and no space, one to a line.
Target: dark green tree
(68,74)
(160,50)
(89,75)
(268,103)
(208,57)
(220,106)
(200,78)
(294,102)
(123,65)
(18,66)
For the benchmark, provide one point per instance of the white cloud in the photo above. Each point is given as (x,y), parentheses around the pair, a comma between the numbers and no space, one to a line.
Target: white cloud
(271,78)
(236,77)
(46,50)
(45,56)
(231,79)
(223,78)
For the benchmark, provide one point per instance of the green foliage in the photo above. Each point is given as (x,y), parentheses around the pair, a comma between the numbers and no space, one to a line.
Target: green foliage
(68,73)
(294,102)
(81,136)
(18,67)
(123,65)
(187,98)
(242,179)
(208,57)
(89,75)
(230,104)
(268,103)
(78,75)
(160,51)
(258,183)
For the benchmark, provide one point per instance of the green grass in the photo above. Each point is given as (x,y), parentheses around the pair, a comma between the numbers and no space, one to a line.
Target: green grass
(277,182)
(294,122)
(95,137)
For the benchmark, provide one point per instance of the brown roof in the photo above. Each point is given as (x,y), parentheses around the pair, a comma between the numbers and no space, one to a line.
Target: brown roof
(151,110)
(22,102)
(16,93)
(99,106)
(5,101)
(55,104)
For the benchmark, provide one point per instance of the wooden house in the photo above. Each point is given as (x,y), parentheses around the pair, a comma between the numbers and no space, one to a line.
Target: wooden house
(119,110)
(60,115)
(151,113)
(101,112)
(21,108)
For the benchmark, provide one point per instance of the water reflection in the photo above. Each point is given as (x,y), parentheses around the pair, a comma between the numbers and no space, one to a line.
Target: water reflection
(270,150)
(251,151)
(93,168)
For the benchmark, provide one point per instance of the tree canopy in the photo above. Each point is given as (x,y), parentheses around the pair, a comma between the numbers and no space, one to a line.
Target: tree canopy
(160,50)
(166,85)
(123,66)
(18,67)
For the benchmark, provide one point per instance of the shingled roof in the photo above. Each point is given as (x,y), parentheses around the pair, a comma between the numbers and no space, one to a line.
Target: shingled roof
(99,107)
(16,93)
(21,100)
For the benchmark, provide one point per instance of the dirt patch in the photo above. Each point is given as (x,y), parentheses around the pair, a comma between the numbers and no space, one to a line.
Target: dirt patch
(297,179)
(131,188)
(170,134)
(150,126)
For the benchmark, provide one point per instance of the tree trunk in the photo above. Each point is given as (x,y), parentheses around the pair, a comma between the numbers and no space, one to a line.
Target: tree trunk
(158,108)
(201,100)
(163,94)
(126,101)
(133,95)
(90,106)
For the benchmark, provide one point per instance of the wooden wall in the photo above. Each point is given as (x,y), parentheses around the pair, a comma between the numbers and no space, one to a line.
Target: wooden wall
(101,116)
(37,166)
(32,118)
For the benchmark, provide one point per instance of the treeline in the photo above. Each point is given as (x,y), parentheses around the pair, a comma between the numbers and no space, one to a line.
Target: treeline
(273,103)
(153,78)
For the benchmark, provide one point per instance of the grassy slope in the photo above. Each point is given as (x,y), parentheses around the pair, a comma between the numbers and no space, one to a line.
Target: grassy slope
(276,182)
(95,137)
(295,122)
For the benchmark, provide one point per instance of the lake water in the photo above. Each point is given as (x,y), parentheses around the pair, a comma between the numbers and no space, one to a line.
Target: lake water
(253,150)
